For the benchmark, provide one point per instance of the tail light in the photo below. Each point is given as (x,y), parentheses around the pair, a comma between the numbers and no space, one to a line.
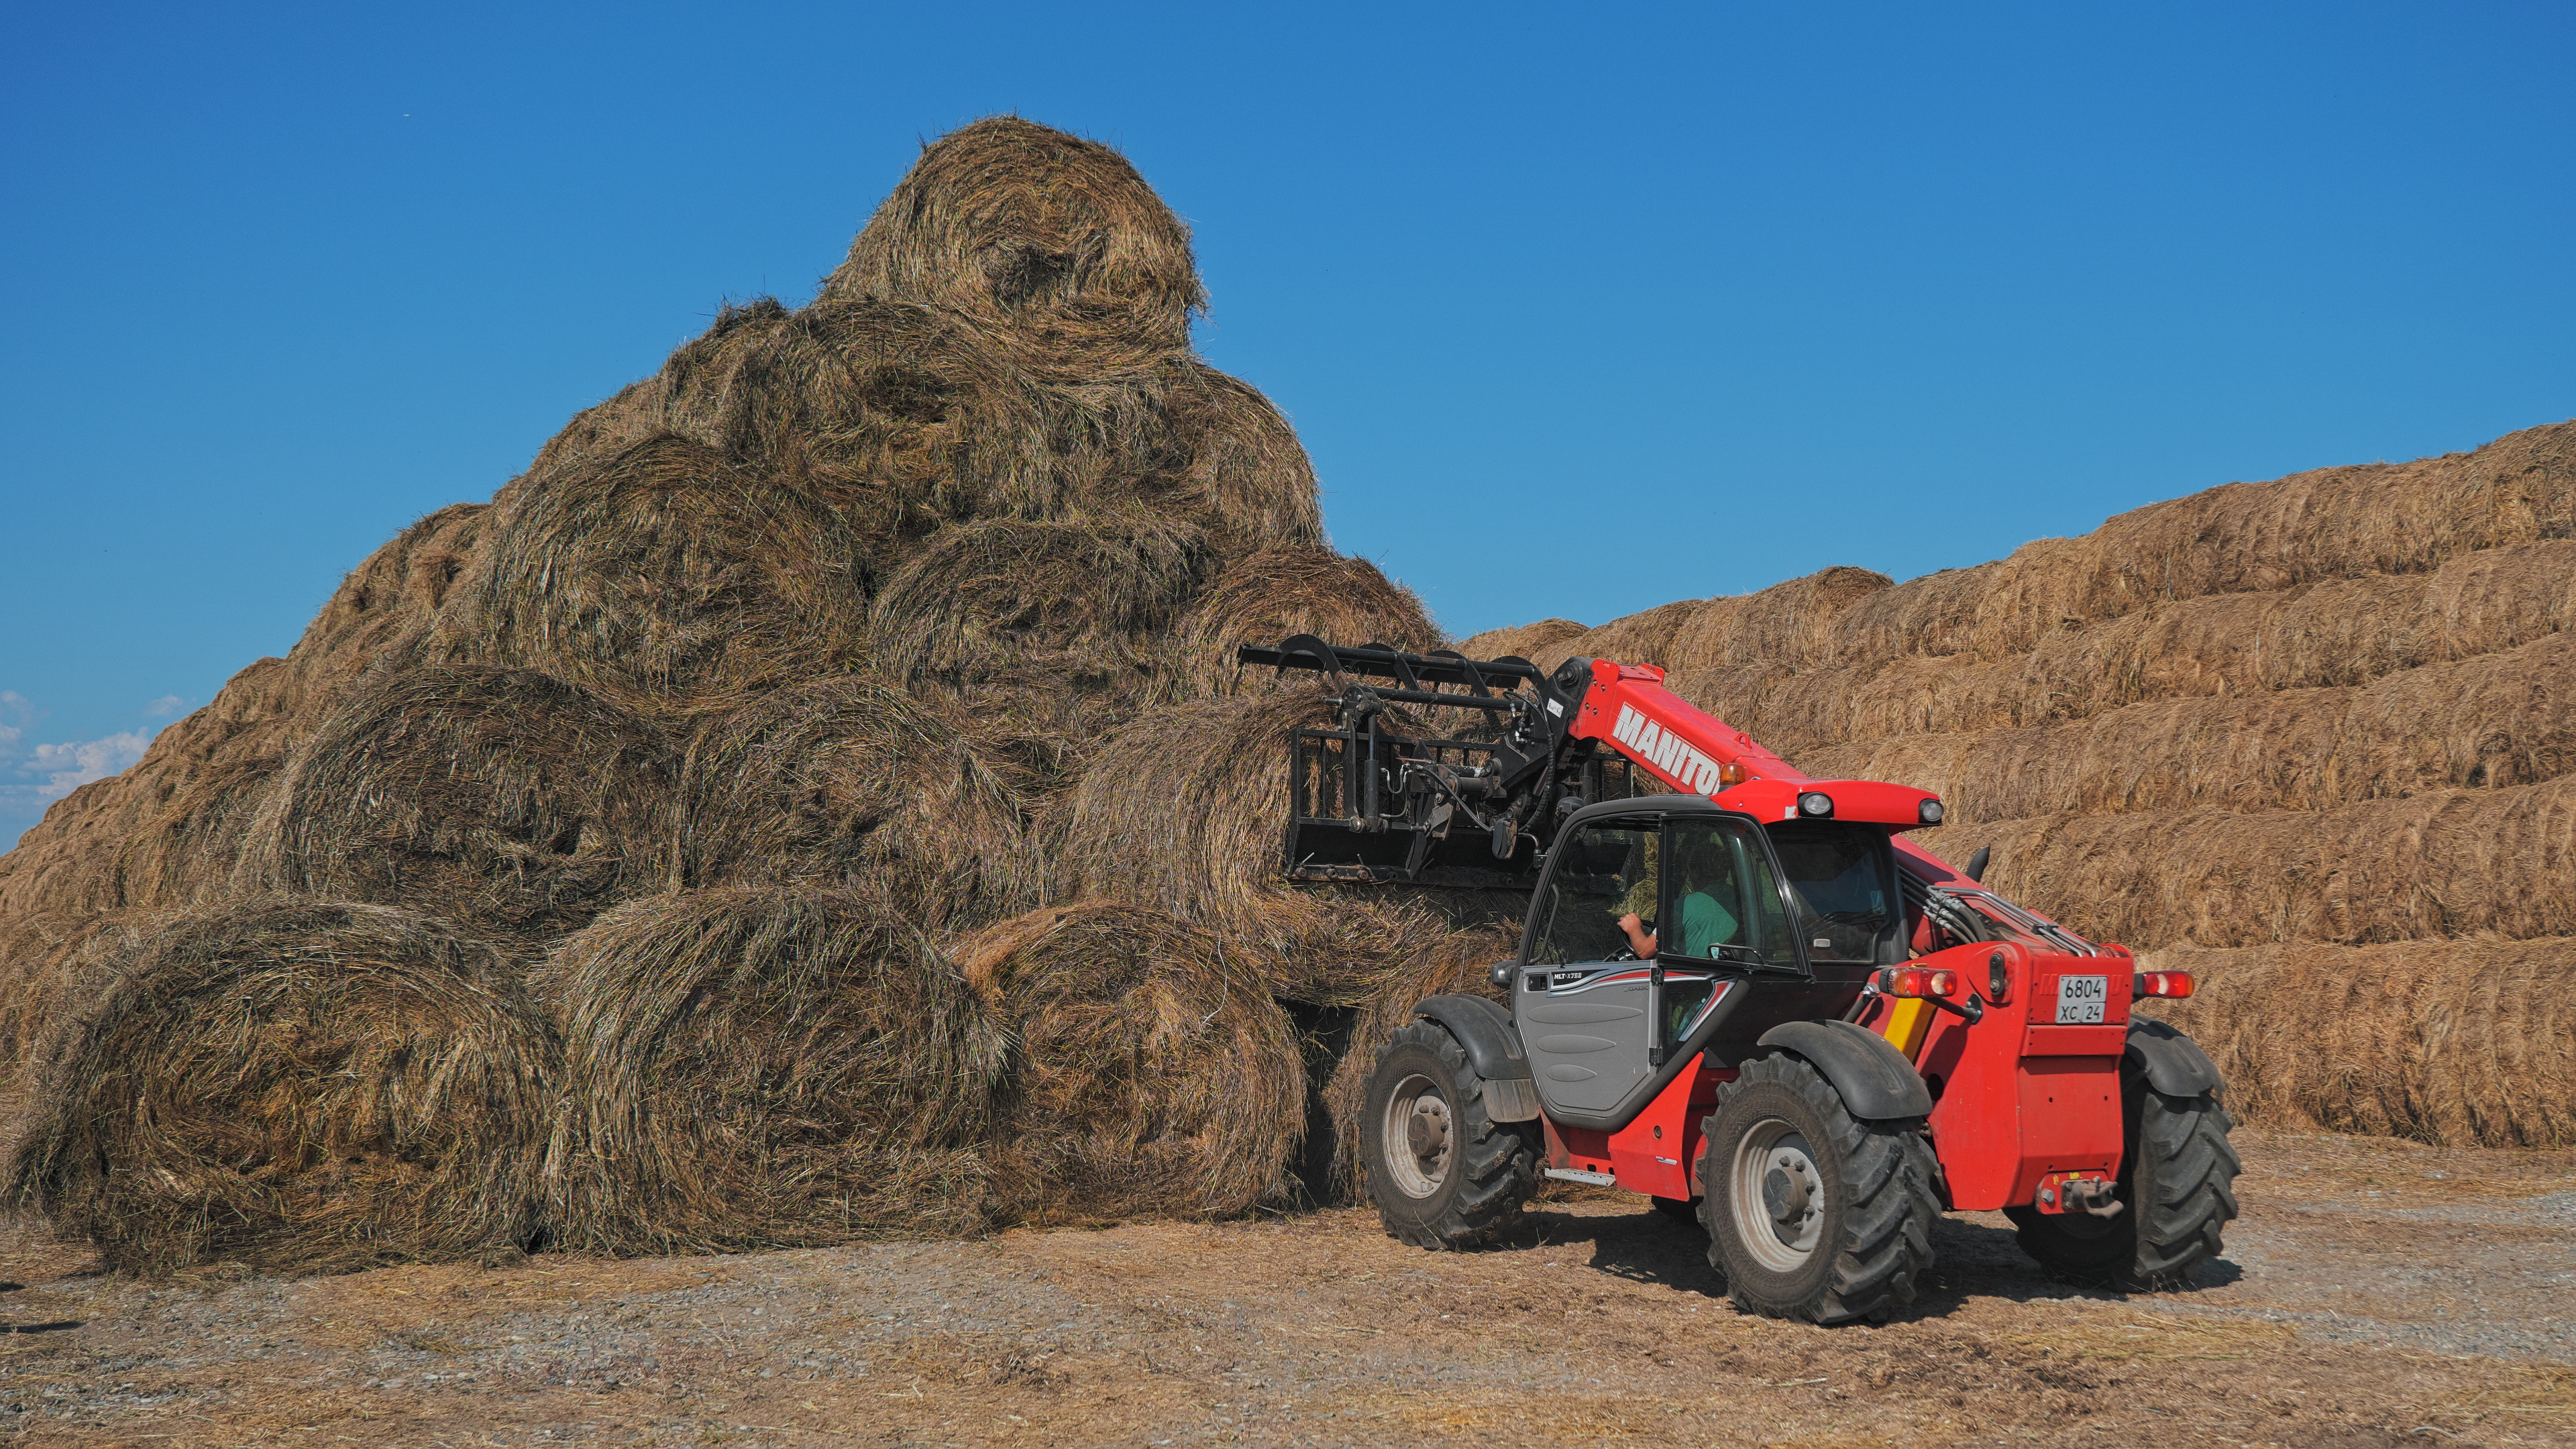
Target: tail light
(2176,984)
(1917,981)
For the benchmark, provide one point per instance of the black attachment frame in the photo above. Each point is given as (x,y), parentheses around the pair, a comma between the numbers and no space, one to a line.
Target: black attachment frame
(1374,799)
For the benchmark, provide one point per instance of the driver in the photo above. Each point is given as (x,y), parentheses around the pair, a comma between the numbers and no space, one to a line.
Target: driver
(1698,863)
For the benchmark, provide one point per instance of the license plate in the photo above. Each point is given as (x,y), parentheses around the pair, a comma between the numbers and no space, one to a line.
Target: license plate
(2080,999)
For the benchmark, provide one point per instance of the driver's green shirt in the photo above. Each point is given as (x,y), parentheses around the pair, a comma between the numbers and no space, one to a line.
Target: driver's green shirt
(1705,924)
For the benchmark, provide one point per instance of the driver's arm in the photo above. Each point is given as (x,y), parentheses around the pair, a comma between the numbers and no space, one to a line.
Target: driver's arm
(1640,940)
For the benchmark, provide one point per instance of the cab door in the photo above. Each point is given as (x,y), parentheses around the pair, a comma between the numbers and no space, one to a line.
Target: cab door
(1582,998)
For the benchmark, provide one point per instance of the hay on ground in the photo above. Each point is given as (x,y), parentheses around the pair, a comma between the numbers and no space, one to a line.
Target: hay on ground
(765,1068)
(501,798)
(668,580)
(1051,240)
(850,780)
(2458,1042)
(1280,592)
(1154,1073)
(293,1085)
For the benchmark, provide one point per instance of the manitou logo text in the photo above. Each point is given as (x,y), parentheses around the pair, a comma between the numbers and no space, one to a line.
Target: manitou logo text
(1669,753)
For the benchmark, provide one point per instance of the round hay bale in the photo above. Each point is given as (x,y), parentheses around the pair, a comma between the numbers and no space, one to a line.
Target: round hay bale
(1243,470)
(382,612)
(1057,628)
(502,798)
(1054,240)
(1184,810)
(1155,1074)
(1545,643)
(1280,592)
(293,1085)
(668,580)
(848,780)
(188,854)
(765,1068)
(44,960)
(903,417)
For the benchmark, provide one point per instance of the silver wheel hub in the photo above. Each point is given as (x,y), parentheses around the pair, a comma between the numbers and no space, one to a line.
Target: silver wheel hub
(1420,1137)
(1778,1197)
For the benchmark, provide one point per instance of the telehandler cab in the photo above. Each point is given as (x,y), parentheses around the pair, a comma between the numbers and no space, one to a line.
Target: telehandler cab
(1742,992)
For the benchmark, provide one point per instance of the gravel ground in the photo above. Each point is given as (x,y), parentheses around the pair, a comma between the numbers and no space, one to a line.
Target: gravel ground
(2375,1292)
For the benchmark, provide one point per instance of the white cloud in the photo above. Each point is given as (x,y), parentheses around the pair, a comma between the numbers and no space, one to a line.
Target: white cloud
(66,768)
(35,774)
(164,707)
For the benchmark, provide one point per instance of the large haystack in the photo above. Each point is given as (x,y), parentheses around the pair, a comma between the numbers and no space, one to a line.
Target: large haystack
(851,780)
(293,1084)
(1153,1072)
(765,1068)
(2337,710)
(501,798)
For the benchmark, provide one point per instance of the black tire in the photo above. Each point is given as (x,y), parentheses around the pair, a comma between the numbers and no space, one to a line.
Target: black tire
(1861,1238)
(1457,1178)
(2178,1182)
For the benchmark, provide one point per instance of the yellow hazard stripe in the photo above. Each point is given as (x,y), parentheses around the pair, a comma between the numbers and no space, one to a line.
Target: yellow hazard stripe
(1907,1025)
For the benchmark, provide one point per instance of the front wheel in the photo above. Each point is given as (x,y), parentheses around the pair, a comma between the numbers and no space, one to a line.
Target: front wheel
(2178,1182)
(1444,1173)
(1812,1214)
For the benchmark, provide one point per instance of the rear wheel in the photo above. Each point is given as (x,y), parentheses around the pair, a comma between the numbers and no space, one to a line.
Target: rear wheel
(1444,1173)
(1812,1214)
(2178,1182)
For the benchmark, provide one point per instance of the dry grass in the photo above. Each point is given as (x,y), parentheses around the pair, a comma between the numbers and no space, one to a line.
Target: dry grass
(1280,592)
(2447,1041)
(847,781)
(1049,240)
(287,1083)
(2442,863)
(668,581)
(2496,721)
(1186,810)
(1153,1073)
(497,797)
(750,1068)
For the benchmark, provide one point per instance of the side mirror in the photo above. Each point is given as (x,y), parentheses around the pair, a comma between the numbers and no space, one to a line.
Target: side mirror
(1500,973)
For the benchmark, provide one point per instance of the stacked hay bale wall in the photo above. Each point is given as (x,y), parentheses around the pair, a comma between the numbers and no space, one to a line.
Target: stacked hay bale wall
(2275,731)
(717,734)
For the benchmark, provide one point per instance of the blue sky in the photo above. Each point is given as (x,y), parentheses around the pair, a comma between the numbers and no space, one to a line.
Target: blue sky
(1578,310)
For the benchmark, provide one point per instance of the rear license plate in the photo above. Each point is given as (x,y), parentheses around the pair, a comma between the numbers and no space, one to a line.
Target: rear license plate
(2080,999)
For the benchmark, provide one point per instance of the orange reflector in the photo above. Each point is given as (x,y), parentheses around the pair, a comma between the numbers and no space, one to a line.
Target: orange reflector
(1917,981)
(2161,983)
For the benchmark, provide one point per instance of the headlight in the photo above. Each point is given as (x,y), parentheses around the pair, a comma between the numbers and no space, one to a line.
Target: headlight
(1930,812)
(1816,803)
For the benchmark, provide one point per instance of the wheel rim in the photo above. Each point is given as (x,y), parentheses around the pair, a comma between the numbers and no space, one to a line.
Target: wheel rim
(1420,1137)
(1778,1201)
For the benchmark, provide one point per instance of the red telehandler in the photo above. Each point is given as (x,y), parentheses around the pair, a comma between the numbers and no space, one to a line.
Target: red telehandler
(1742,992)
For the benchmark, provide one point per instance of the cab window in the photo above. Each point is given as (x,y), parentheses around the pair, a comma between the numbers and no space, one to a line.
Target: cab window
(1842,877)
(1726,903)
(1603,871)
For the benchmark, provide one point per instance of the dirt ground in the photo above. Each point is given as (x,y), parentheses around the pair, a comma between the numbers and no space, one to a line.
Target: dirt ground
(2374,1292)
